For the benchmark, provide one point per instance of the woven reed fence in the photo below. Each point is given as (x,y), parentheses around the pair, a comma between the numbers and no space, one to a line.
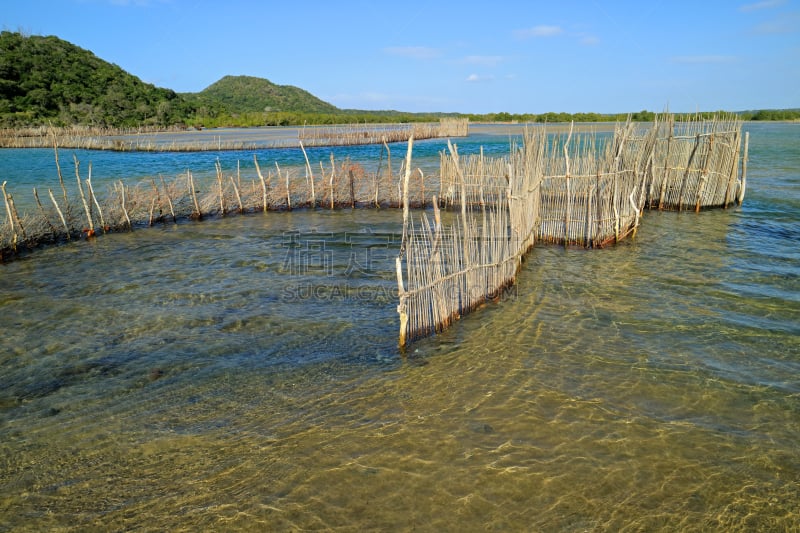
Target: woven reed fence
(585,191)
(592,193)
(181,140)
(591,190)
(354,134)
(695,164)
(445,271)
(76,209)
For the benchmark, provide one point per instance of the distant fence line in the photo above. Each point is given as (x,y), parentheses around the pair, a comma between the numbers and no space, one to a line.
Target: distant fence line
(146,139)
(355,134)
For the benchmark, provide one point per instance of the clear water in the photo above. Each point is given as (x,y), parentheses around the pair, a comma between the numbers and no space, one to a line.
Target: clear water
(242,373)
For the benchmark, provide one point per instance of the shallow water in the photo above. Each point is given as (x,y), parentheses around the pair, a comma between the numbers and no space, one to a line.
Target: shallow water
(242,373)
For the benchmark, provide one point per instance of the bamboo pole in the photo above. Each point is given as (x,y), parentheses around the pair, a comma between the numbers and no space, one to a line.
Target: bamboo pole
(7,199)
(124,207)
(60,214)
(218,167)
(94,198)
(333,173)
(288,191)
(197,215)
(309,176)
(665,177)
(704,175)
(90,222)
(169,200)
(238,196)
(263,183)
(404,248)
(740,196)
(352,188)
(388,159)
(60,176)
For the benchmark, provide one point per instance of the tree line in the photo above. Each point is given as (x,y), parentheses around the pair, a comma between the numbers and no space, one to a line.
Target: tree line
(46,80)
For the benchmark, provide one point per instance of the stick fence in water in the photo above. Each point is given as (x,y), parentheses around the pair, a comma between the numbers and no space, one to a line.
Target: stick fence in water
(445,271)
(581,191)
(695,165)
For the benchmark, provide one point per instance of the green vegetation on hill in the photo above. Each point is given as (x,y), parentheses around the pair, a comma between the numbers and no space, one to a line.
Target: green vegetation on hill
(247,94)
(49,80)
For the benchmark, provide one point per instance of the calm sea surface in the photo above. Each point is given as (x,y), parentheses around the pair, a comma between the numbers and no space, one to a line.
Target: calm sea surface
(242,373)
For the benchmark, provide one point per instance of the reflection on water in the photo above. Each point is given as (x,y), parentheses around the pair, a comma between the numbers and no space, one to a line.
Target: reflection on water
(242,374)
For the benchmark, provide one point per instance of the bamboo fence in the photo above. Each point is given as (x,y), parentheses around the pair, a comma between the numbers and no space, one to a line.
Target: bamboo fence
(355,134)
(583,190)
(74,209)
(443,271)
(695,164)
(183,140)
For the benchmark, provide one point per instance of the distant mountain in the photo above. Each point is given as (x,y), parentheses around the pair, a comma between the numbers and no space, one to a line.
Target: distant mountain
(47,79)
(247,94)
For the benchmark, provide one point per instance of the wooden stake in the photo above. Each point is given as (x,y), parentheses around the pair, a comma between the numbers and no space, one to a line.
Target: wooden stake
(169,200)
(8,201)
(740,196)
(238,196)
(60,176)
(309,176)
(333,173)
(60,214)
(263,183)
(197,214)
(124,208)
(94,198)
(90,232)
(220,188)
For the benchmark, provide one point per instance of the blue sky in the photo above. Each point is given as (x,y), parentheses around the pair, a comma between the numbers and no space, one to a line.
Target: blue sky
(470,57)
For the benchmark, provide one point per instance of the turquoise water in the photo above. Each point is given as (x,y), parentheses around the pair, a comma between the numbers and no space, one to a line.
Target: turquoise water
(242,373)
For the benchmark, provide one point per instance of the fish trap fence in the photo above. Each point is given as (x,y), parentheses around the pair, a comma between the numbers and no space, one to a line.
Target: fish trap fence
(355,134)
(585,191)
(445,271)
(589,188)
(76,208)
(695,165)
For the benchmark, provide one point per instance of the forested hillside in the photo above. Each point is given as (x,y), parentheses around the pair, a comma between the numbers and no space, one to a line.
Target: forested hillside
(48,79)
(248,94)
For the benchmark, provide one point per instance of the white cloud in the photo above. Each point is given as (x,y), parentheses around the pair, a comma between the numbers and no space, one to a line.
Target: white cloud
(486,61)
(702,60)
(539,31)
(766,4)
(474,78)
(589,40)
(787,24)
(414,52)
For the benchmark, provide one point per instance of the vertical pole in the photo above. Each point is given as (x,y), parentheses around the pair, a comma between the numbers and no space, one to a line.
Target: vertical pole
(740,197)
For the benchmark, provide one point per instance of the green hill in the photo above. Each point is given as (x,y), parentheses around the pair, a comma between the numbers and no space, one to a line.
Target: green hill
(48,79)
(247,94)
